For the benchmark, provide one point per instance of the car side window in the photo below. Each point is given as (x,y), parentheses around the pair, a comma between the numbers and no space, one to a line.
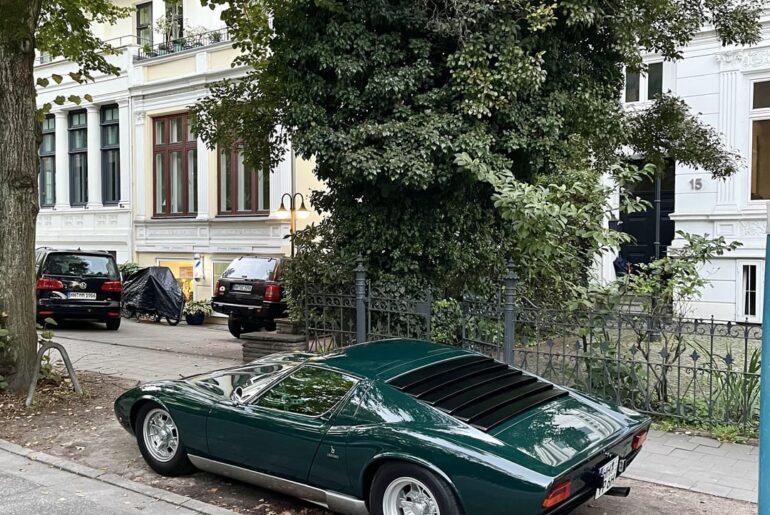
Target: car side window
(310,391)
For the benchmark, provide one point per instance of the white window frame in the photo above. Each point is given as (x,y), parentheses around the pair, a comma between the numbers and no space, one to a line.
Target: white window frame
(643,97)
(755,115)
(739,292)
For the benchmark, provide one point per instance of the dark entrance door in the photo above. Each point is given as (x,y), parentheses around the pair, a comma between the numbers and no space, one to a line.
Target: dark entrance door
(642,225)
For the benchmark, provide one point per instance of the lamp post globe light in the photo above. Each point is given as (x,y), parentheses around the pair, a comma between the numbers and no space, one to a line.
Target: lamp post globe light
(292,213)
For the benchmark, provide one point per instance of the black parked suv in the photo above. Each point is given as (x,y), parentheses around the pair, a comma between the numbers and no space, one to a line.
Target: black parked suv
(250,293)
(81,285)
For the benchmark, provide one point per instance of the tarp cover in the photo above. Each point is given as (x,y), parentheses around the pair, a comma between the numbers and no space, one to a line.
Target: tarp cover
(153,290)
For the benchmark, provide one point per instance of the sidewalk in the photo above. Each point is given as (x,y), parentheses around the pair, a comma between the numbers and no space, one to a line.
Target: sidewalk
(33,482)
(698,464)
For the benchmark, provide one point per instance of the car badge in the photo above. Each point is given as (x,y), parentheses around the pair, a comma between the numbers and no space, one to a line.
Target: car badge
(83,286)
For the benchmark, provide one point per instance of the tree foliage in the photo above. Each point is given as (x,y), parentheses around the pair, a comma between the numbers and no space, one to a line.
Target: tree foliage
(452,135)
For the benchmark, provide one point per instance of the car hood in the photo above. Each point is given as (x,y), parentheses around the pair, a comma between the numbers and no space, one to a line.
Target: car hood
(557,436)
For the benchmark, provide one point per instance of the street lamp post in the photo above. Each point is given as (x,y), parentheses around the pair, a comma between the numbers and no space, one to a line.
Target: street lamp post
(292,213)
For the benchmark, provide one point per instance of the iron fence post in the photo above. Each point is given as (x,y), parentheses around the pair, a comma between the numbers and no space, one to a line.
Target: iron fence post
(509,313)
(360,300)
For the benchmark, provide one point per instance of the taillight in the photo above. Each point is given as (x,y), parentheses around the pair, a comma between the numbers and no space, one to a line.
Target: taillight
(639,439)
(558,494)
(273,293)
(49,284)
(218,289)
(112,286)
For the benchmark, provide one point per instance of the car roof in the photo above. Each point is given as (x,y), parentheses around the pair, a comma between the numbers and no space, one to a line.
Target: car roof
(50,250)
(387,359)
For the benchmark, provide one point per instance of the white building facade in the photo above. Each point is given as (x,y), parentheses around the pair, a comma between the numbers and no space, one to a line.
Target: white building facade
(729,88)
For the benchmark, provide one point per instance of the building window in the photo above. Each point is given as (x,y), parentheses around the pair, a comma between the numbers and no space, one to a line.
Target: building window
(110,155)
(48,163)
(632,86)
(749,290)
(760,160)
(174,21)
(175,166)
(644,87)
(761,97)
(242,191)
(144,24)
(654,80)
(78,136)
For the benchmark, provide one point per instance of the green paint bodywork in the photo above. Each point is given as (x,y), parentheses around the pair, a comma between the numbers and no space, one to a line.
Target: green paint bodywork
(506,471)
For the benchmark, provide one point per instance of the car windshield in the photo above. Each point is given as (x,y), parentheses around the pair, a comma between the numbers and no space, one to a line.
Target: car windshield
(81,265)
(250,380)
(251,268)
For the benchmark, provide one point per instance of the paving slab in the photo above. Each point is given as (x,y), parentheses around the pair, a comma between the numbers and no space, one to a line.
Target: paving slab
(31,484)
(698,464)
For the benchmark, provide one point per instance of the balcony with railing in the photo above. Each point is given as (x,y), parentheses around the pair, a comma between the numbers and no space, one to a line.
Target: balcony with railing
(185,43)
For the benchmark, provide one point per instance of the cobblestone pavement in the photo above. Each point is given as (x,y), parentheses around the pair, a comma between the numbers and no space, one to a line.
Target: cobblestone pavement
(147,351)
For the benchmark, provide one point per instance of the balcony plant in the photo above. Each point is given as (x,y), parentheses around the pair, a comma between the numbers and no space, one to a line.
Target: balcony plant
(216,36)
(195,312)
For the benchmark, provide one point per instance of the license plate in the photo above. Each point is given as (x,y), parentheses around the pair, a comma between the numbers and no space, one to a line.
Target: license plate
(607,472)
(81,295)
(242,287)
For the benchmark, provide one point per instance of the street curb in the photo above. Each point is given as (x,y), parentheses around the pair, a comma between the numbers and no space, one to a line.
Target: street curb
(114,480)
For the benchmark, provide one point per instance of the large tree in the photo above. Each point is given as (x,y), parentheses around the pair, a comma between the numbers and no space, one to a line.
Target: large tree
(60,28)
(454,134)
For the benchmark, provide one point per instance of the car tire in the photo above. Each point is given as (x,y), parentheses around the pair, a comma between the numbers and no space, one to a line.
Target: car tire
(397,482)
(172,321)
(235,327)
(164,453)
(269,325)
(113,324)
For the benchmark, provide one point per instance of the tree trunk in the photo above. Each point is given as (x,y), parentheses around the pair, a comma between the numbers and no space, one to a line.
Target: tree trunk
(18,189)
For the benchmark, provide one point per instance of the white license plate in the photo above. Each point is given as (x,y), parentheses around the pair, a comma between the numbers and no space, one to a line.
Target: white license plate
(81,295)
(608,472)
(242,287)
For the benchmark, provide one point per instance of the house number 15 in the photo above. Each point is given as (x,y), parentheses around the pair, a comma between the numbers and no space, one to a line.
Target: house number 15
(696,184)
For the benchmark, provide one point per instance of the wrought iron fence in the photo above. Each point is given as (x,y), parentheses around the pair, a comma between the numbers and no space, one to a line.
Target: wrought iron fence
(183,43)
(702,371)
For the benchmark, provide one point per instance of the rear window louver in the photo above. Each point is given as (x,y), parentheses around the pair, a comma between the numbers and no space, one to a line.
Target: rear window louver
(477,389)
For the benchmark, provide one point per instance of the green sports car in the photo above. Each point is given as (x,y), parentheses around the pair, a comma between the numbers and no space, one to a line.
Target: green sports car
(395,427)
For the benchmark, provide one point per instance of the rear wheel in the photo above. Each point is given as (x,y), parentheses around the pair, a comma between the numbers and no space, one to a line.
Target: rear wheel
(172,321)
(159,441)
(113,324)
(269,325)
(404,488)
(235,327)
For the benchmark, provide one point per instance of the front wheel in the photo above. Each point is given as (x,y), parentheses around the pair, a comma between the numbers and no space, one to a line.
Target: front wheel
(172,321)
(159,442)
(399,488)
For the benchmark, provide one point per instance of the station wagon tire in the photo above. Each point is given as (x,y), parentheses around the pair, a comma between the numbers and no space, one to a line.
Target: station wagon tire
(159,441)
(235,327)
(397,483)
(113,324)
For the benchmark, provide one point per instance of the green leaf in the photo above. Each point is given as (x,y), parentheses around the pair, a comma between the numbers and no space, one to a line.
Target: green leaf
(59,100)
(75,99)
(57,78)
(42,82)
(88,97)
